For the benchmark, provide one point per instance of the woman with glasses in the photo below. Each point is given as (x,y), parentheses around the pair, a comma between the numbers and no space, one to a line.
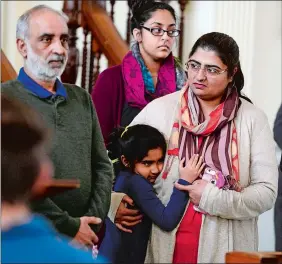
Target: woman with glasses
(147,72)
(212,118)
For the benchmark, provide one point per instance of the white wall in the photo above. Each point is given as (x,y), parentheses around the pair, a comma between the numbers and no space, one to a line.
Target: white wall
(266,71)
(266,83)
(256,27)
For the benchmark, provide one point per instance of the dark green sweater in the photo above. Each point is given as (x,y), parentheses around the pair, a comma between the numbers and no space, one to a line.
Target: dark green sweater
(78,152)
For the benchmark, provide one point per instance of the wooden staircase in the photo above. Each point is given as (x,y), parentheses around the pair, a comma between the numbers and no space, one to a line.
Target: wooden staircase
(98,25)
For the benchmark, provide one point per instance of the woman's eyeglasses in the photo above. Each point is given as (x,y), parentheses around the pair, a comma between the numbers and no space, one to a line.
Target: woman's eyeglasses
(208,70)
(160,32)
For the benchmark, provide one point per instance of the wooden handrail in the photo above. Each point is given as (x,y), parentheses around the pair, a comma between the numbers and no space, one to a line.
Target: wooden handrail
(104,32)
(7,71)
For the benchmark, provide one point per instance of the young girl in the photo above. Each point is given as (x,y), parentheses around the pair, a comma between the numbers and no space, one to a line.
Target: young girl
(141,152)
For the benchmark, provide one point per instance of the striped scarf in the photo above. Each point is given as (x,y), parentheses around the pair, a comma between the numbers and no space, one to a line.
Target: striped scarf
(217,135)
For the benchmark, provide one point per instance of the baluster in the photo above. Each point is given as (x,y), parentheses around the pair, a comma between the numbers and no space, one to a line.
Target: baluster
(70,73)
(72,9)
(84,59)
(92,57)
(97,67)
(112,9)
(97,53)
(128,26)
(182,4)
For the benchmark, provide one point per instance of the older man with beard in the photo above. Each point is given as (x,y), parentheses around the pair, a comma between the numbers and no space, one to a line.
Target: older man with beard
(78,151)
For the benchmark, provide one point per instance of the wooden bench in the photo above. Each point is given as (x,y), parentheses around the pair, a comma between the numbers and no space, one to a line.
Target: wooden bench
(53,187)
(253,257)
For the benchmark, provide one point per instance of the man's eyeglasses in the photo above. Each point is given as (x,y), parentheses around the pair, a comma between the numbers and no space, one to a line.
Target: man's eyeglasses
(209,70)
(160,32)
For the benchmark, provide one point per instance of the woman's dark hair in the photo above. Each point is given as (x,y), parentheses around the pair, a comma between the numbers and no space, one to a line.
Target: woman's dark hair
(228,51)
(134,143)
(23,143)
(142,11)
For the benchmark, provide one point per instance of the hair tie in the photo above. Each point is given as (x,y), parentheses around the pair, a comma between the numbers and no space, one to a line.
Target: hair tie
(124,132)
(114,161)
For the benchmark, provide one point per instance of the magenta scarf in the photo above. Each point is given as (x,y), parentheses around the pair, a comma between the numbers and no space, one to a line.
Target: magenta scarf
(134,84)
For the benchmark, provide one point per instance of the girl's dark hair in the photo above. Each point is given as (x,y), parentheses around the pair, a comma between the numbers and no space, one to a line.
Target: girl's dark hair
(228,51)
(134,143)
(142,11)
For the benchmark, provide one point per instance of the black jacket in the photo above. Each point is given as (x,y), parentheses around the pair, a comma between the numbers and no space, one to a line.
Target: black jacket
(278,205)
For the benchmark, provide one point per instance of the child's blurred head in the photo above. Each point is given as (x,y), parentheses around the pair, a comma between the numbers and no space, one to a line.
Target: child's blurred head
(140,149)
(25,161)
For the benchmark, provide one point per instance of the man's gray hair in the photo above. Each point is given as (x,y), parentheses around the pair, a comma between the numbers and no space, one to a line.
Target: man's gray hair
(23,21)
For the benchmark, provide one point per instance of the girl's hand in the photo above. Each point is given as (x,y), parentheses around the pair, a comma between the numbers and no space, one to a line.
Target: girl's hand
(193,168)
(195,191)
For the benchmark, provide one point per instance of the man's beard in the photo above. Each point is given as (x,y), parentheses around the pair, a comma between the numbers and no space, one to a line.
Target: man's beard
(41,68)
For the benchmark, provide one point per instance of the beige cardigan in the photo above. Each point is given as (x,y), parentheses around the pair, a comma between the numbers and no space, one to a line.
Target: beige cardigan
(233,225)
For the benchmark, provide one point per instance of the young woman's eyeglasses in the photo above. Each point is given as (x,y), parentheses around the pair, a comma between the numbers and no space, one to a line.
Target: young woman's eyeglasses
(159,31)
(208,70)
